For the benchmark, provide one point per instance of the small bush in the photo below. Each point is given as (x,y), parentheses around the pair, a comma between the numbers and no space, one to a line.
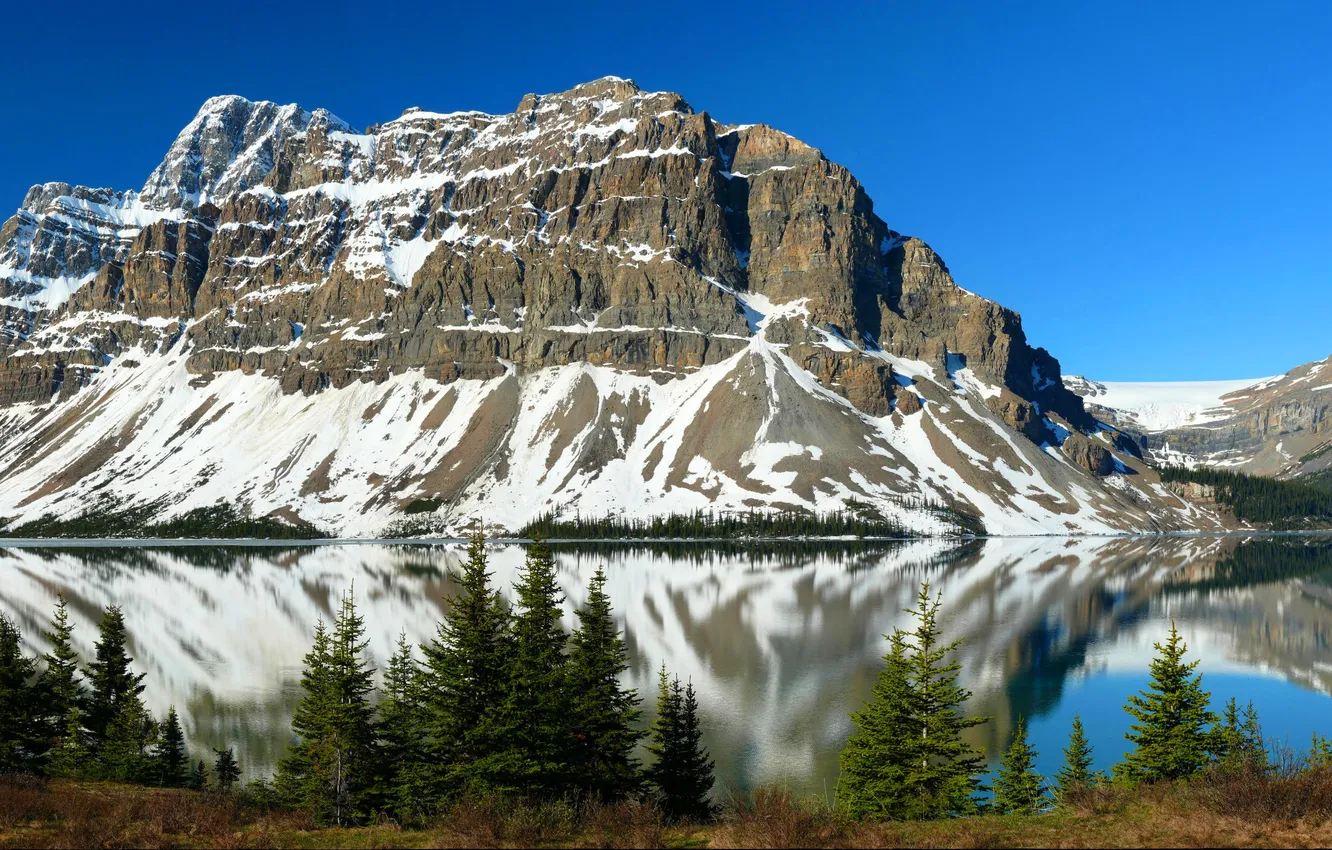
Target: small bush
(626,824)
(497,822)
(772,817)
(1254,794)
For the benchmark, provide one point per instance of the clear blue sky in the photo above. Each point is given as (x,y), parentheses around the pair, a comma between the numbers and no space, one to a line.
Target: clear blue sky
(1148,184)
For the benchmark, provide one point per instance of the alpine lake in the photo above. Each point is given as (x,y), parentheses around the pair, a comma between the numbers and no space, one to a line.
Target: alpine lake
(781,640)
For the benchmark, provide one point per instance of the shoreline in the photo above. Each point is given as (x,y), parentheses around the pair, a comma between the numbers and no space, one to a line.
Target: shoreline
(292,543)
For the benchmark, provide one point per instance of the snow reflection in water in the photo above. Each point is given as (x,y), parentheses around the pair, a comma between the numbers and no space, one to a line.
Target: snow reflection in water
(781,642)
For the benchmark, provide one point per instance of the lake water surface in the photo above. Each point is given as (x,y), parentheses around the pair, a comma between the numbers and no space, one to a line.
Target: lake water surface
(781,641)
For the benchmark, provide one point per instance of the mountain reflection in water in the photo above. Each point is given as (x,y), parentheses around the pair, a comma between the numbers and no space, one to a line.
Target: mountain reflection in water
(781,642)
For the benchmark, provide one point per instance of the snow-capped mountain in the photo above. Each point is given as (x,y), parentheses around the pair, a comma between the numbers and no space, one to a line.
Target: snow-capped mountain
(1278,426)
(603,302)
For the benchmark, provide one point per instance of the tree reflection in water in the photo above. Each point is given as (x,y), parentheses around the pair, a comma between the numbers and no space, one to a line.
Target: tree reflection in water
(781,641)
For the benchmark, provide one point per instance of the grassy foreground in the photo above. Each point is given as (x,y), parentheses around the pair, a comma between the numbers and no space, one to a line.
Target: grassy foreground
(1239,811)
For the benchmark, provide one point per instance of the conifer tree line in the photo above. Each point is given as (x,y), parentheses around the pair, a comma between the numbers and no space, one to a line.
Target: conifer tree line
(110,518)
(907,758)
(1282,504)
(855,520)
(63,719)
(501,703)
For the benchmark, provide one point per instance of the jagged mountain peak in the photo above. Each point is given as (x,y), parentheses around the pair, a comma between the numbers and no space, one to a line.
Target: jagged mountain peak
(230,145)
(602,301)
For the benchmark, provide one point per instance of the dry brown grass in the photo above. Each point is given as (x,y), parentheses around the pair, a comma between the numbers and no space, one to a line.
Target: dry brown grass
(498,823)
(773,817)
(1236,809)
(35,814)
(630,824)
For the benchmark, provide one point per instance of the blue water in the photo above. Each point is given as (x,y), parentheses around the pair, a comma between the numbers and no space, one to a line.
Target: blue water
(1289,713)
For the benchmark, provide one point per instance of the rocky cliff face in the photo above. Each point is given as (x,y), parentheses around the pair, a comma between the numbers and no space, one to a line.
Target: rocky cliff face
(604,302)
(1279,426)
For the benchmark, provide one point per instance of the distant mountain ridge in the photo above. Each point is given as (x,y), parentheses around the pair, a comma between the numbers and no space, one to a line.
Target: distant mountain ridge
(601,303)
(1277,426)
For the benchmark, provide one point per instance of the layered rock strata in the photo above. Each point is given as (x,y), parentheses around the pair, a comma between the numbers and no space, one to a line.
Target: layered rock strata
(604,301)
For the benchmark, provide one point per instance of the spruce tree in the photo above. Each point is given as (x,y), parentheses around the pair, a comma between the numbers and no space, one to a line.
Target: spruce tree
(126,752)
(1237,740)
(532,725)
(878,756)
(20,729)
(1076,772)
(60,687)
(301,781)
(1253,746)
(681,773)
(1019,789)
(1171,736)
(404,785)
(70,756)
(915,744)
(466,668)
(695,778)
(354,731)
(225,769)
(114,685)
(199,777)
(604,713)
(661,722)
(331,769)
(173,763)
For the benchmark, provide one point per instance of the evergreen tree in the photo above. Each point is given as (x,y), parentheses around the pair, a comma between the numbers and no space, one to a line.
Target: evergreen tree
(1320,753)
(661,723)
(532,725)
(466,668)
(404,785)
(1077,770)
(1237,740)
(199,778)
(354,731)
(225,769)
(695,778)
(878,757)
(664,739)
(61,690)
(1254,747)
(126,752)
(20,729)
(173,763)
(114,685)
(70,756)
(682,772)
(604,713)
(1019,790)
(330,770)
(1171,739)
(301,780)
(907,758)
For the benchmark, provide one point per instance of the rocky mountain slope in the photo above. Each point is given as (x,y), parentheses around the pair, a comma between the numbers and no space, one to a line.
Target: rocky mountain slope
(603,302)
(1280,426)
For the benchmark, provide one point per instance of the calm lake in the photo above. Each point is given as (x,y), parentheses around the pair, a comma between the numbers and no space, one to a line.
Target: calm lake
(781,641)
